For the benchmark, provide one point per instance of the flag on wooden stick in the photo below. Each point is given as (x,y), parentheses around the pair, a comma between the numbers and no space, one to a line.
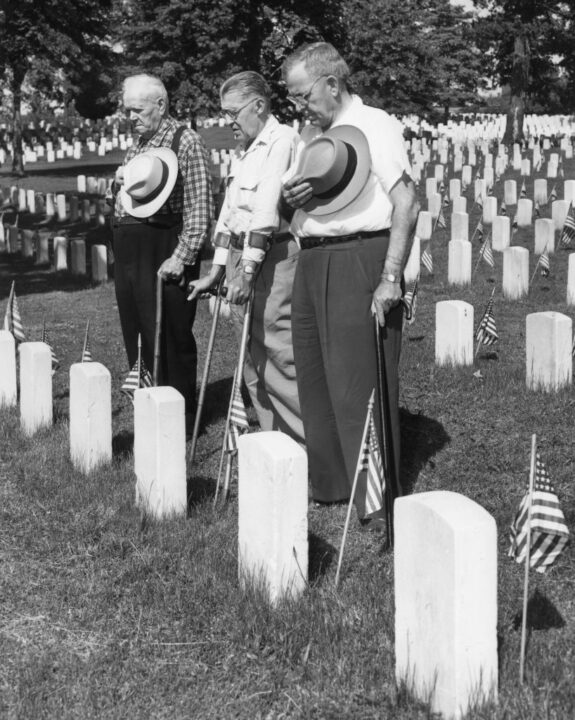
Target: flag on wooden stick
(86,353)
(523,191)
(427,258)
(138,377)
(568,231)
(553,194)
(12,318)
(410,302)
(440,221)
(370,461)
(55,361)
(238,419)
(486,333)
(540,515)
(486,252)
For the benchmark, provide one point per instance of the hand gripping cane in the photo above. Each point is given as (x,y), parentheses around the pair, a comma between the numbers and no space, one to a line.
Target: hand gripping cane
(236,383)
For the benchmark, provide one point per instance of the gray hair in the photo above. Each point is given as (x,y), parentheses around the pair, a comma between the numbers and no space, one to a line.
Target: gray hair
(319,58)
(155,88)
(247,83)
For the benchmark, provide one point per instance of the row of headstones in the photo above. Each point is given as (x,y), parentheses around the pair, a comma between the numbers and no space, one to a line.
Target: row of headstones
(421,154)
(515,279)
(548,343)
(34,244)
(50,153)
(60,205)
(453,653)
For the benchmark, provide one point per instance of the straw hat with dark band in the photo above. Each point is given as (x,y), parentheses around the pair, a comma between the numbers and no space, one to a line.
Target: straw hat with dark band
(337,165)
(149,178)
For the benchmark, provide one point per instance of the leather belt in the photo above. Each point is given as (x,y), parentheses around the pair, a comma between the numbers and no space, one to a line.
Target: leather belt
(306,243)
(162,221)
(237,241)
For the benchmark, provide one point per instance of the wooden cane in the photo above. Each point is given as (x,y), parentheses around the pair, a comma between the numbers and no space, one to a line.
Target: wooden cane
(158,332)
(392,488)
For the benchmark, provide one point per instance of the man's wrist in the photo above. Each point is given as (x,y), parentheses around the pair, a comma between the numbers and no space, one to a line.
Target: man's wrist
(249,267)
(392,277)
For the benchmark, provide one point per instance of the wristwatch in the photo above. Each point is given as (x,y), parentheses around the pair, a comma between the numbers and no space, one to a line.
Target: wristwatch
(390,277)
(248,269)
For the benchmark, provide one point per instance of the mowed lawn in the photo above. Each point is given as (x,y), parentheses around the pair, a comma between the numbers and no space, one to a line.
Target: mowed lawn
(106,614)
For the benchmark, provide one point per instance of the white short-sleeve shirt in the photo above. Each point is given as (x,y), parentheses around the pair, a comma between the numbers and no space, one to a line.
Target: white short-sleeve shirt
(372,209)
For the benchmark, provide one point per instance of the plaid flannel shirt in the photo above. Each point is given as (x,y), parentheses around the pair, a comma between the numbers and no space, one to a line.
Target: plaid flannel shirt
(192,194)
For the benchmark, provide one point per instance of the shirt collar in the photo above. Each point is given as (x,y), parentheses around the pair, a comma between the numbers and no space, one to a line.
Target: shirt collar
(351,111)
(158,137)
(265,136)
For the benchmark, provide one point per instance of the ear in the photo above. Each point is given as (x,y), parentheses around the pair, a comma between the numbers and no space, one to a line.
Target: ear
(162,106)
(333,85)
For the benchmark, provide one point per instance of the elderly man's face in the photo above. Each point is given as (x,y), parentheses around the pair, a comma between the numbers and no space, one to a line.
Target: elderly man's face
(144,112)
(241,114)
(312,95)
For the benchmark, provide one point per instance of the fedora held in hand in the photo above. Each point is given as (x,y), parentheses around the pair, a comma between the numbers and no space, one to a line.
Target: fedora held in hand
(337,165)
(149,178)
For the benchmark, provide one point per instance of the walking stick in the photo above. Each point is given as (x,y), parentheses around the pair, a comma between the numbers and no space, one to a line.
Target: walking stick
(206,373)
(158,332)
(236,382)
(394,491)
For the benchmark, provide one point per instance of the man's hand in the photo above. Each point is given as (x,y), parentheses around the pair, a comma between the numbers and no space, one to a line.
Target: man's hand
(386,296)
(197,287)
(171,269)
(297,192)
(240,288)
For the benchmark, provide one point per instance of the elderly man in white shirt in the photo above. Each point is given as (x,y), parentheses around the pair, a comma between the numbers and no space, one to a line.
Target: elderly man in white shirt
(350,265)
(256,250)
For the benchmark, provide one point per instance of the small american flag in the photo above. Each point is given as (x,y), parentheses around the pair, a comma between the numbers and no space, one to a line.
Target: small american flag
(543,263)
(238,419)
(370,461)
(55,361)
(12,318)
(503,209)
(549,532)
(138,377)
(523,191)
(410,302)
(86,353)
(568,231)
(427,258)
(486,332)
(486,252)
(440,222)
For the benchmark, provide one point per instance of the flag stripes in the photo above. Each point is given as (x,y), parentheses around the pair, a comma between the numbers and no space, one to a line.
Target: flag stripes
(370,461)
(486,332)
(135,379)
(12,318)
(568,231)
(238,419)
(549,532)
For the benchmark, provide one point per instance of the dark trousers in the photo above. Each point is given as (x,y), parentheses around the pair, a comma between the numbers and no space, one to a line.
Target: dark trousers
(335,358)
(139,250)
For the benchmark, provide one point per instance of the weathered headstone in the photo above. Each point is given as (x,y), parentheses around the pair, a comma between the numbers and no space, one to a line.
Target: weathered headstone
(501,233)
(559,210)
(78,256)
(411,270)
(540,191)
(459,226)
(459,262)
(489,209)
(99,263)
(544,236)
(515,272)
(35,386)
(571,280)
(548,340)
(60,253)
(90,415)
(272,514)
(446,604)
(460,204)
(424,227)
(510,192)
(453,332)
(160,451)
(8,387)
(524,212)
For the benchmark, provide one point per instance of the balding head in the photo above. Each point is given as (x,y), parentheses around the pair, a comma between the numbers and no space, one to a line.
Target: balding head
(145,102)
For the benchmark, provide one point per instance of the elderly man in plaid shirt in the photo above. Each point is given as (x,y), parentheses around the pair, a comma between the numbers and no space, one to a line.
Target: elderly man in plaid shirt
(167,245)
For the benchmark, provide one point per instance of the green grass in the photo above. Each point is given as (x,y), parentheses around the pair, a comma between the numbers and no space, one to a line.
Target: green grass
(106,614)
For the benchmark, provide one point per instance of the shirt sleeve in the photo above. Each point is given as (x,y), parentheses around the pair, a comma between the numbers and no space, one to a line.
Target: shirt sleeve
(265,216)
(388,153)
(198,199)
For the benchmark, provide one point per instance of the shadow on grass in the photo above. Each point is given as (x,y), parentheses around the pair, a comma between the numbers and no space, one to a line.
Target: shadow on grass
(321,556)
(421,438)
(216,401)
(541,614)
(199,489)
(122,445)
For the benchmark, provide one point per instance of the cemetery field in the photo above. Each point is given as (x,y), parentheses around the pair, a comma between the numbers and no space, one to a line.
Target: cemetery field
(107,614)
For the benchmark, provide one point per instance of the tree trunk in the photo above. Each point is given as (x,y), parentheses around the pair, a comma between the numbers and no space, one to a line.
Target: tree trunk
(519,84)
(17,153)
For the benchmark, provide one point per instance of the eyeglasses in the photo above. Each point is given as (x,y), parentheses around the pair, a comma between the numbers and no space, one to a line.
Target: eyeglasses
(233,115)
(302,100)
